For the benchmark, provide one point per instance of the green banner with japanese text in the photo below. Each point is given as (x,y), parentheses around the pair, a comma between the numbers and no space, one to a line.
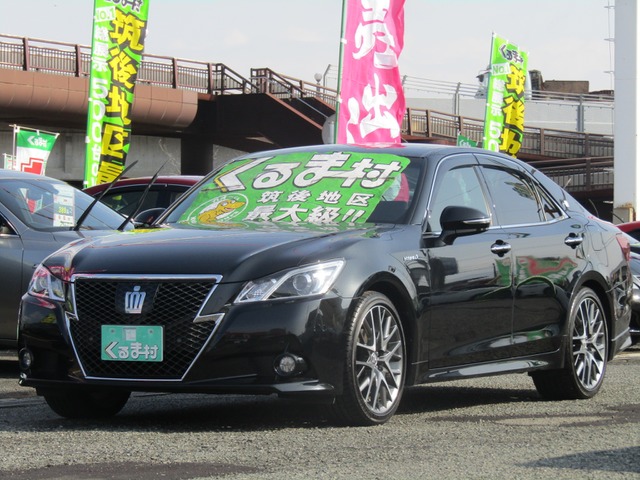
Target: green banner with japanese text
(504,117)
(119,30)
(320,188)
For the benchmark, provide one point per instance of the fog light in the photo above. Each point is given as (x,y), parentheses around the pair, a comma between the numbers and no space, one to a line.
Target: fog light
(287,365)
(25,359)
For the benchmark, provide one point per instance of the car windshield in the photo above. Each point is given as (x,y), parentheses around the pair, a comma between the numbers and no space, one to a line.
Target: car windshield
(336,188)
(54,206)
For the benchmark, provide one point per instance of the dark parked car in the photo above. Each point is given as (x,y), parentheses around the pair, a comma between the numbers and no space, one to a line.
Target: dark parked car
(635,304)
(38,215)
(336,273)
(634,263)
(124,194)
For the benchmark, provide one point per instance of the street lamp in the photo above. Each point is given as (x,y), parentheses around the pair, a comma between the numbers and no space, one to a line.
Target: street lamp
(318,78)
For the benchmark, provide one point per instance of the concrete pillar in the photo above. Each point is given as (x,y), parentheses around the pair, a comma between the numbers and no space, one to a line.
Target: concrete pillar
(626,183)
(196,155)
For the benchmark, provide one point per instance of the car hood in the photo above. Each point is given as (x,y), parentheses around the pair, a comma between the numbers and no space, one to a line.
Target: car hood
(236,254)
(65,236)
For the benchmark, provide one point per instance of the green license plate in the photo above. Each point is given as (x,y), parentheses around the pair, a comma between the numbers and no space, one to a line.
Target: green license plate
(132,343)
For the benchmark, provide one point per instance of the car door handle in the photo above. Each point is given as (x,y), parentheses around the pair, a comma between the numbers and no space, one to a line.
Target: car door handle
(573,240)
(500,248)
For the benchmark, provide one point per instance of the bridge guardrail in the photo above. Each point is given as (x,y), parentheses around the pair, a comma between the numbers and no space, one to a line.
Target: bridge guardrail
(58,58)
(579,174)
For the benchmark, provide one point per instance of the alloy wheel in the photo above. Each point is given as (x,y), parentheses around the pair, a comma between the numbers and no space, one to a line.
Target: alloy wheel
(379,360)
(589,344)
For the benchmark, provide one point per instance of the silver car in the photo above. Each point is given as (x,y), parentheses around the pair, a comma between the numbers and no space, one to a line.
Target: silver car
(38,215)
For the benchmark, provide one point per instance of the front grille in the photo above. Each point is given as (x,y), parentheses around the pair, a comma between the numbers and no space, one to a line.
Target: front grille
(175,305)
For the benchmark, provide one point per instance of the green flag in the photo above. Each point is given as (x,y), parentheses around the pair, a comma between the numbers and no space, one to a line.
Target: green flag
(119,30)
(32,149)
(463,141)
(504,117)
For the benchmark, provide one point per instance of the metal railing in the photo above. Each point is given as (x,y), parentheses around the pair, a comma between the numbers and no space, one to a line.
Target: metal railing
(579,174)
(537,141)
(285,83)
(32,54)
(440,87)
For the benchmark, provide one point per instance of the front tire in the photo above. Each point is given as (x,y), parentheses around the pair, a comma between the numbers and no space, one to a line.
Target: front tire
(86,404)
(375,363)
(586,359)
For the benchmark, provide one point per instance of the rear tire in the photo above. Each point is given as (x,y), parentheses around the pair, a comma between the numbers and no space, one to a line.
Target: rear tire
(586,359)
(86,404)
(374,363)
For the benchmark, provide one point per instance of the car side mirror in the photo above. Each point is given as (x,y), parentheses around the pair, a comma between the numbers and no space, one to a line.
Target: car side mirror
(457,221)
(145,218)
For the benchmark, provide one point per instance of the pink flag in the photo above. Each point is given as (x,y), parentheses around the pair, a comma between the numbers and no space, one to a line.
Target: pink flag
(372,102)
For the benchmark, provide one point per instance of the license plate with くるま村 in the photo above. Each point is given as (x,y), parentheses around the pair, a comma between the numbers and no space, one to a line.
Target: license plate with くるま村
(132,343)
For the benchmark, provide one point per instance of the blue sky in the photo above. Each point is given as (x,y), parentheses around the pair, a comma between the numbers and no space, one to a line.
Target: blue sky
(445,40)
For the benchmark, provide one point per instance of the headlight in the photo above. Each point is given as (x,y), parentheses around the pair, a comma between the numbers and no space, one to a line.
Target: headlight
(301,282)
(44,284)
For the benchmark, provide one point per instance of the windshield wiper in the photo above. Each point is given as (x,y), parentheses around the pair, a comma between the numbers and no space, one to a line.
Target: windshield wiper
(141,199)
(85,214)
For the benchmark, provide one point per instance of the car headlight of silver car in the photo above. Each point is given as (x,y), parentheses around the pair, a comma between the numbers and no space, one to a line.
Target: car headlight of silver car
(44,284)
(300,282)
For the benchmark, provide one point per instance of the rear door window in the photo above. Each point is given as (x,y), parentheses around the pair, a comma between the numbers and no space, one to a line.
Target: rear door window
(515,199)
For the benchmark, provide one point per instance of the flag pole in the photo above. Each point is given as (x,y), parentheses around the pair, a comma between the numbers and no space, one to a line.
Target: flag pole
(338,92)
(34,129)
(16,128)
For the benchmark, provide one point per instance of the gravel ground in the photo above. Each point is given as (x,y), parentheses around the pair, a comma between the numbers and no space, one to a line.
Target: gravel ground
(493,428)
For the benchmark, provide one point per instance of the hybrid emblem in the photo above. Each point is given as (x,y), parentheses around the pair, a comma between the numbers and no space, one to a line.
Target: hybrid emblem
(133,301)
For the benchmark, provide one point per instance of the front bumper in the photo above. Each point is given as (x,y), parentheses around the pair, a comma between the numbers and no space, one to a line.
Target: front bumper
(238,356)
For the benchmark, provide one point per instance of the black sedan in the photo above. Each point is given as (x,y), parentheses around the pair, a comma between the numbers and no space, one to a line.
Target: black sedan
(338,273)
(38,215)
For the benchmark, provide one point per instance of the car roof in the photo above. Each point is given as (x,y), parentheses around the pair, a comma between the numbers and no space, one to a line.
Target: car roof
(432,151)
(629,226)
(404,149)
(17,175)
(186,180)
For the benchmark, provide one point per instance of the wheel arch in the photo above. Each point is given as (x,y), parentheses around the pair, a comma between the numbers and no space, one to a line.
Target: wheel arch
(390,286)
(596,283)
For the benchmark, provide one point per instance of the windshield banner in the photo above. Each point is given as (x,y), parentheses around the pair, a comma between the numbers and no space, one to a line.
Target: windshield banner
(504,117)
(302,187)
(119,29)
(371,100)
(32,149)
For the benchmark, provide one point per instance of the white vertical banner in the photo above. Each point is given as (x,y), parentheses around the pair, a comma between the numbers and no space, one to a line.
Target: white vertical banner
(9,160)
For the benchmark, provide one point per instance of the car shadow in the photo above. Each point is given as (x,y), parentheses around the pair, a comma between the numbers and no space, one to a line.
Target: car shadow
(170,413)
(436,398)
(164,412)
